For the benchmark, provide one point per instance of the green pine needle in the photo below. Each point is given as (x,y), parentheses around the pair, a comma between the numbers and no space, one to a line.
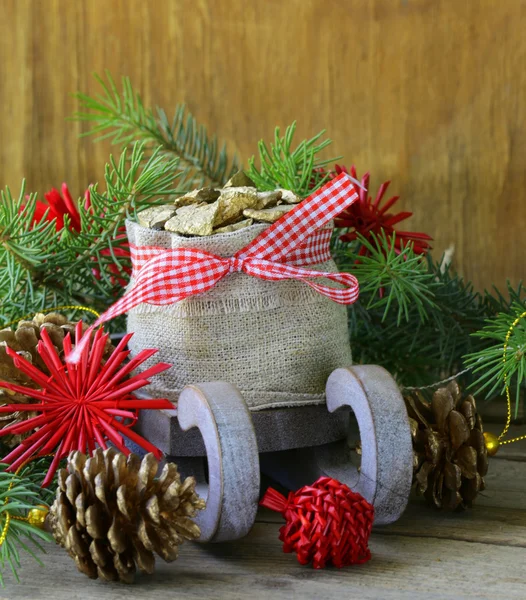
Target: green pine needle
(121,116)
(492,372)
(25,493)
(41,268)
(287,168)
(389,280)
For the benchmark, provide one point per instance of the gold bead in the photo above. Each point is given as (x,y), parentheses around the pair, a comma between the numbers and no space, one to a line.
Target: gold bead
(37,516)
(492,443)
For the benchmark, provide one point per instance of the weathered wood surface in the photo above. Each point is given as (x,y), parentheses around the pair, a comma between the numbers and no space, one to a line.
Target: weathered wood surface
(428,93)
(426,554)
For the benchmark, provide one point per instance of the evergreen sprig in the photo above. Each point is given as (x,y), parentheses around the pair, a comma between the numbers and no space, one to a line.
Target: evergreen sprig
(41,267)
(413,316)
(122,117)
(492,367)
(25,249)
(299,169)
(388,279)
(423,322)
(23,492)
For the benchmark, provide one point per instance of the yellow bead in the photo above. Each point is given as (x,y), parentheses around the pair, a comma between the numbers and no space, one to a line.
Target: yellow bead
(37,516)
(492,443)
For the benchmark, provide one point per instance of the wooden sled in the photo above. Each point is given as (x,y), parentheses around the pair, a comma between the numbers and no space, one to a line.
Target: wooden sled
(213,436)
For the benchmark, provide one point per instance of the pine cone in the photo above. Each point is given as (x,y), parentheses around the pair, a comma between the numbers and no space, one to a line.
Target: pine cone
(450,456)
(24,340)
(111,514)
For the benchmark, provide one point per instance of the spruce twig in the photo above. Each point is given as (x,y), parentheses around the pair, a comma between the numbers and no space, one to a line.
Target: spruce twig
(23,492)
(41,267)
(122,117)
(299,169)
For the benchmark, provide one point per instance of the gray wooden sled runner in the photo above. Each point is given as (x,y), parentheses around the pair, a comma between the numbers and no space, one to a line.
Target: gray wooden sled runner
(294,446)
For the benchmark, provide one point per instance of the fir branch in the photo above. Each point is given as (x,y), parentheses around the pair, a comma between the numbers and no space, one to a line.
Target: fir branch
(299,169)
(491,368)
(41,267)
(25,249)
(418,341)
(132,184)
(388,279)
(23,493)
(122,117)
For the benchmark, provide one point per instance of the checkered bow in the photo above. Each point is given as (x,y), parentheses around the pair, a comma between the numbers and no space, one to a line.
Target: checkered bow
(164,276)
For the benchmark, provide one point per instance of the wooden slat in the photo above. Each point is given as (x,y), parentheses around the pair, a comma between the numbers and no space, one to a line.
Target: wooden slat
(255,567)
(427,93)
(476,554)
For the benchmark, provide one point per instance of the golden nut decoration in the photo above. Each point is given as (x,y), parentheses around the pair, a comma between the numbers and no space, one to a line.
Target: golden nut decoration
(492,443)
(211,211)
(37,516)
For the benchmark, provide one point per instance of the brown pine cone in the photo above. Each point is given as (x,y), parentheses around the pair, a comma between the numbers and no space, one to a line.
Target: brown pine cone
(450,456)
(111,514)
(24,340)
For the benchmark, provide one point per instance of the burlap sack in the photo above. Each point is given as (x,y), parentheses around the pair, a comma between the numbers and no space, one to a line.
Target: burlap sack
(276,341)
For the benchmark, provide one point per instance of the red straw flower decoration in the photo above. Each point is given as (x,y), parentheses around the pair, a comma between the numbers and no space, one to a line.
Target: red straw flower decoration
(366,217)
(81,404)
(326,523)
(59,205)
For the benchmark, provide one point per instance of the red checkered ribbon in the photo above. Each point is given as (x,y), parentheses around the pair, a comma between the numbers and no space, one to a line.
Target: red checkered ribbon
(164,276)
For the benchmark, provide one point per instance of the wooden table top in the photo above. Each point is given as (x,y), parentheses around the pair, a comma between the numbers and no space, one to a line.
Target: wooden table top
(426,554)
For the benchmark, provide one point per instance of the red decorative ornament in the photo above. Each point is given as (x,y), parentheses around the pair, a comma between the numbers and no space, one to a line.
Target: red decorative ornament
(368,216)
(81,404)
(59,205)
(327,523)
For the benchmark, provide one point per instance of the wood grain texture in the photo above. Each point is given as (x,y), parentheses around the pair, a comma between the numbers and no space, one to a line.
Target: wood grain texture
(429,93)
(426,554)
(222,416)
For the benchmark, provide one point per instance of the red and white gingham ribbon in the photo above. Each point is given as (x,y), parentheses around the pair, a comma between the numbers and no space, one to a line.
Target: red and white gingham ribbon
(164,276)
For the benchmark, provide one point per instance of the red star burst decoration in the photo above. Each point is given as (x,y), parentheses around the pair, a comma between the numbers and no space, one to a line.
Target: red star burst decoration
(81,404)
(368,216)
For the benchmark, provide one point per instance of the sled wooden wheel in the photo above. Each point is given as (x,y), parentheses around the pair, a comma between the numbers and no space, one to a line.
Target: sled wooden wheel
(221,415)
(386,469)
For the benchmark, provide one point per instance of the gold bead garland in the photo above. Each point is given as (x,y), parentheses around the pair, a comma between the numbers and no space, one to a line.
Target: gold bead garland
(36,516)
(494,442)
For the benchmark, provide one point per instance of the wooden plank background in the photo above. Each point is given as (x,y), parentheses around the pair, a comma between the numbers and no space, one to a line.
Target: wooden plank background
(428,93)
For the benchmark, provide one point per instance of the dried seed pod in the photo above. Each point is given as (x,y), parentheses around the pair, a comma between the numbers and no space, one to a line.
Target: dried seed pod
(450,454)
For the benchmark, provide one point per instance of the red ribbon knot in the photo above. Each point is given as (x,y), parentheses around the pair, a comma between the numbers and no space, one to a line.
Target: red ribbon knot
(235,265)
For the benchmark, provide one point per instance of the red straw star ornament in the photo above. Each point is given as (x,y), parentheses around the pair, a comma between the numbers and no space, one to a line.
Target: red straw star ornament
(81,403)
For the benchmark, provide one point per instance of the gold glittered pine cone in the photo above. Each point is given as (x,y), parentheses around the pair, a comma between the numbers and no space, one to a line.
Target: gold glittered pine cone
(111,513)
(450,456)
(24,340)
